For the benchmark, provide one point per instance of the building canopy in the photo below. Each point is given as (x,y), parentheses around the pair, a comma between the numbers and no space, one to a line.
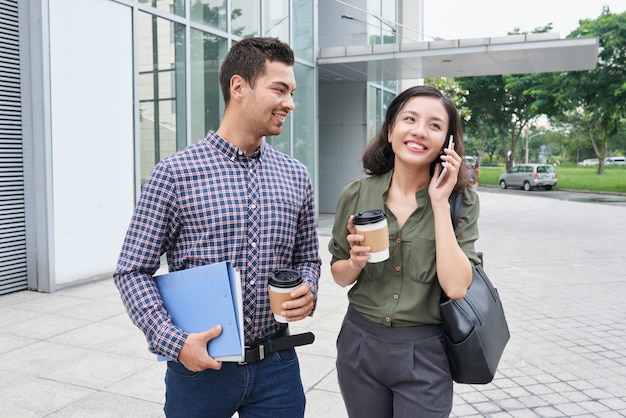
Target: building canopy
(513,54)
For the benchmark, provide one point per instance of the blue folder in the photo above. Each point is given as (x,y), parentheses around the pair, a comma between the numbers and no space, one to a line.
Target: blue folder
(202,297)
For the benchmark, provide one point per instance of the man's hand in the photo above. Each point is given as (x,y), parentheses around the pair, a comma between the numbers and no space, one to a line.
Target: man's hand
(301,304)
(194,355)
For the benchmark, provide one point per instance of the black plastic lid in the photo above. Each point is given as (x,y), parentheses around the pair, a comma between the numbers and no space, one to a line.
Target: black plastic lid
(284,278)
(369,217)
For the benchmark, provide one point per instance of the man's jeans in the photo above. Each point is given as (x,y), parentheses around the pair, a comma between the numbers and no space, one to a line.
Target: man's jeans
(270,388)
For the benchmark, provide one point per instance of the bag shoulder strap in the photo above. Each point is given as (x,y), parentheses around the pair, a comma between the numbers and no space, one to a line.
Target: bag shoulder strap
(456,201)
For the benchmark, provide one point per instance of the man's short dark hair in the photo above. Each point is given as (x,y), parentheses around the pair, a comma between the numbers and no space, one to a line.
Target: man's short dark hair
(247,58)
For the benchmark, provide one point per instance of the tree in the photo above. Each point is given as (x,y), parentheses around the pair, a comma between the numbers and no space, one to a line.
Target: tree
(594,101)
(501,104)
(505,104)
(475,144)
(450,88)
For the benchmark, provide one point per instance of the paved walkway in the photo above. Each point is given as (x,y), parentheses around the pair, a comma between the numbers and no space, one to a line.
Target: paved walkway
(559,267)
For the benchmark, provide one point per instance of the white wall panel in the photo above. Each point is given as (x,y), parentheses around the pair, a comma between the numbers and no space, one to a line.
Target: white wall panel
(91,76)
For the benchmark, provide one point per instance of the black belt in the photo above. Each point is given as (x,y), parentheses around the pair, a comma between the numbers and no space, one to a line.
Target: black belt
(272,345)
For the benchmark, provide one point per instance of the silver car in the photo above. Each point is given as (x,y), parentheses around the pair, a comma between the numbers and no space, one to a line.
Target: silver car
(529,176)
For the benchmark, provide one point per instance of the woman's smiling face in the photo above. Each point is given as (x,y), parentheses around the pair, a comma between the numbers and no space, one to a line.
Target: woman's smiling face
(419,130)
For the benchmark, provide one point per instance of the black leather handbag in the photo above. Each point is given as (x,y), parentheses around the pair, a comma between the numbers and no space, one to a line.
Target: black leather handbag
(475,327)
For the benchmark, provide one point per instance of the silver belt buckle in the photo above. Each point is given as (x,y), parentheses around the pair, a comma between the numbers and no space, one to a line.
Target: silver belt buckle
(261,352)
(261,348)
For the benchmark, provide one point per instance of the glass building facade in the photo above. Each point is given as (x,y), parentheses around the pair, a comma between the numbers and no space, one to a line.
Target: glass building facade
(96,92)
(139,84)
(179,47)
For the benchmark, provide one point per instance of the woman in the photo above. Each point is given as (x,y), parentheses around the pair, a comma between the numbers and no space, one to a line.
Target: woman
(391,360)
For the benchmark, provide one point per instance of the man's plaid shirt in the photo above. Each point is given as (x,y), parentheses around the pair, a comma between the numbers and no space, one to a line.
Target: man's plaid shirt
(210,203)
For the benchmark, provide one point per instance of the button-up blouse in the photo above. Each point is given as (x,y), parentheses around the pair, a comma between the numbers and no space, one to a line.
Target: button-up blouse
(403,290)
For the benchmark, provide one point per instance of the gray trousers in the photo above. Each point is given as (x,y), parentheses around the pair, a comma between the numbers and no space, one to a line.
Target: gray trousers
(399,372)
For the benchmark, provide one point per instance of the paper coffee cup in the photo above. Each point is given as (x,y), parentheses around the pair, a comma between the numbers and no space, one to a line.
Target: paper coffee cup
(372,224)
(280,284)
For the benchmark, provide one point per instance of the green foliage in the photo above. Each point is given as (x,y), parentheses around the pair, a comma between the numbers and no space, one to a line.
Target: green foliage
(572,178)
(589,105)
(450,88)
(502,107)
(586,109)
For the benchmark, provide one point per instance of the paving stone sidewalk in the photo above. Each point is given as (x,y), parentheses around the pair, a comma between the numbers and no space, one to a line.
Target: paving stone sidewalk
(559,267)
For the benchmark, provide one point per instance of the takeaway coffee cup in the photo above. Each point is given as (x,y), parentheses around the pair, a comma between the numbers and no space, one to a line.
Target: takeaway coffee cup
(281,283)
(372,224)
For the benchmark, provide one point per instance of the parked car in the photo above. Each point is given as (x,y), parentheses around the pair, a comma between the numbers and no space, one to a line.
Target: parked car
(615,161)
(588,162)
(470,161)
(529,176)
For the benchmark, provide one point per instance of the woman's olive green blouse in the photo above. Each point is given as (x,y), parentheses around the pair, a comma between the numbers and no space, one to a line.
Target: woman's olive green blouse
(403,290)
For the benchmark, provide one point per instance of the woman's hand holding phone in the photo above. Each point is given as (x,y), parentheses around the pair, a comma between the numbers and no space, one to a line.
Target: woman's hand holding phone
(445,169)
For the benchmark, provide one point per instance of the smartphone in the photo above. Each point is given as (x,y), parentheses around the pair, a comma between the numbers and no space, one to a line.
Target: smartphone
(445,169)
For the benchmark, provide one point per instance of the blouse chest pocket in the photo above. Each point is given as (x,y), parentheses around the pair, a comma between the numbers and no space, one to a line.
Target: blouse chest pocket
(418,258)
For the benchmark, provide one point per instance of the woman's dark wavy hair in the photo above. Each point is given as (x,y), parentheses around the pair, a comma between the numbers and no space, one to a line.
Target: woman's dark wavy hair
(378,157)
(247,58)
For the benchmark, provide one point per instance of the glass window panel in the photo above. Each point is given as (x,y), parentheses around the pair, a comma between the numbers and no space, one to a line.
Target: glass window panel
(206,97)
(389,15)
(161,55)
(276,19)
(246,18)
(304,117)
(303,37)
(391,84)
(282,142)
(209,12)
(373,24)
(146,86)
(374,8)
(145,45)
(167,128)
(387,98)
(381,27)
(377,108)
(176,7)
(372,112)
(166,79)
(146,134)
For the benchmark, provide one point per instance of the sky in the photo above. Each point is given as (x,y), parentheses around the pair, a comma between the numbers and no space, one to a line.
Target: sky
(458,19)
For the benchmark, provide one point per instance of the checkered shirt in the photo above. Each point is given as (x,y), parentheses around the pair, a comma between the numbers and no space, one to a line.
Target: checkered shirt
(210,203)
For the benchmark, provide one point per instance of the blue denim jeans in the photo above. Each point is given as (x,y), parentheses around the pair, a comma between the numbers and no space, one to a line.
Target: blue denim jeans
(270,388)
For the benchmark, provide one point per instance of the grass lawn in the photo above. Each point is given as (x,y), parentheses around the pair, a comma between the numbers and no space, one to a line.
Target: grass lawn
(573,178)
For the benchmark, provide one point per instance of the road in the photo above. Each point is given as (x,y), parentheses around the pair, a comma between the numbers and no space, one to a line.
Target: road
(570,195)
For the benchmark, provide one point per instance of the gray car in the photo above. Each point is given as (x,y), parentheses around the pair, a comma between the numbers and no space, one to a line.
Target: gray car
(529,176)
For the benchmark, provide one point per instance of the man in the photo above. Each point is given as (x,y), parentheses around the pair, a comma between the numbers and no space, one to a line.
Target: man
(231,197)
